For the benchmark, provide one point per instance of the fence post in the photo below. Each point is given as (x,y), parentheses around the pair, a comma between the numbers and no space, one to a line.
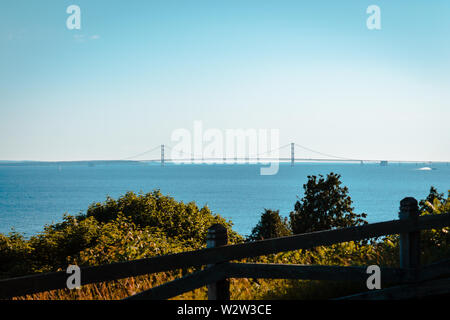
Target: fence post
(409,242)
(217,237)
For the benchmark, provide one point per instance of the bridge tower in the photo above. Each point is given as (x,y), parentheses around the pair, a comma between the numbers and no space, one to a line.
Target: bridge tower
(162,155)
(292,154)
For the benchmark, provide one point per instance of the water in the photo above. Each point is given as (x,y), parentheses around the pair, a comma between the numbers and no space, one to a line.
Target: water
(32,196)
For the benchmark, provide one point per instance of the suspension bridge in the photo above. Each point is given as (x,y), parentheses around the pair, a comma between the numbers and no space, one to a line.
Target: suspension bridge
(263,157)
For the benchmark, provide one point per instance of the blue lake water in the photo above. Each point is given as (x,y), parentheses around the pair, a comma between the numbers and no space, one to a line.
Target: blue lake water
(33,195)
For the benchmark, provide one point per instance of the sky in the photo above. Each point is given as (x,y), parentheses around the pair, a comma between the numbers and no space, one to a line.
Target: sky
(138,70)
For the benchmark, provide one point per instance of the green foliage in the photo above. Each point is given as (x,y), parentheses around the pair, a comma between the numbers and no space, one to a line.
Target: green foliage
(139,226)
(326,205)
(14,255)
(435,243)
(427,203)
(162,214)
(123,240)
(270,225)
(57,242)
(131,227)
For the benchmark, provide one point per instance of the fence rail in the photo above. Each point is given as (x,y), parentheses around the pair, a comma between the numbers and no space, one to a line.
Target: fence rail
(217,256)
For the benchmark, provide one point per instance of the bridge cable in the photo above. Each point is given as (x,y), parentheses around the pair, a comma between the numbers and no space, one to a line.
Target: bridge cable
(324,154)
(141,154)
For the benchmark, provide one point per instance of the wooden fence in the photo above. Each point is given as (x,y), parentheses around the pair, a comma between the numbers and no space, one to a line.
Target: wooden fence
(412,280)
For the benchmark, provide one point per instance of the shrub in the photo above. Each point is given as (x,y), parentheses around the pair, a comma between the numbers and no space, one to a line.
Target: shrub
(270,225)
(162,214)
(131,227)
(435,243)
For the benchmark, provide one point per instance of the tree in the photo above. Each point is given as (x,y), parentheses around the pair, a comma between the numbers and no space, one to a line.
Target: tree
(326,205)
(427,203)
(270,225)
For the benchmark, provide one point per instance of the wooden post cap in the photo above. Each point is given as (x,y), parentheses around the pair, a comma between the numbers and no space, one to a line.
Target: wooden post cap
(408,208)
(217,233)
(216,230)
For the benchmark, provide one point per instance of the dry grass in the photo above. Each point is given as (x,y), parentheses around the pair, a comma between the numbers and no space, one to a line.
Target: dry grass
(240,289)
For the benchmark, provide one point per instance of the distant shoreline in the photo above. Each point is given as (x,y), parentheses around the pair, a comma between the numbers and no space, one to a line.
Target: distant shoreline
(93,163)
(52,163)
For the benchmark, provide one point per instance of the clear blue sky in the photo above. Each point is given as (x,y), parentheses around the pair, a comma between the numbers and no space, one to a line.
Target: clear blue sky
(137,70)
